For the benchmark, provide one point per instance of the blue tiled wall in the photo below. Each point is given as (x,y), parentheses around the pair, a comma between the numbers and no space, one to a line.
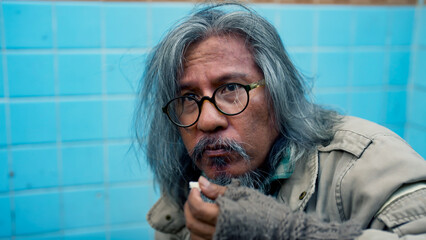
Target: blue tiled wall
(68,76)
(416,110)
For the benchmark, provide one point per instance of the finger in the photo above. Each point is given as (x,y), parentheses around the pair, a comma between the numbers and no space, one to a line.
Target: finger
(196,237)
(209,189)
(202,211)
(198,229)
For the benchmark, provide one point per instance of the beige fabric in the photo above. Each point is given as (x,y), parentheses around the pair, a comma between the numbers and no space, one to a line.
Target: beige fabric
(352,178)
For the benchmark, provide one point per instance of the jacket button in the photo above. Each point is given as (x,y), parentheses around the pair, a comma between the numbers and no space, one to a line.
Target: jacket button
(168,217)
(302,195)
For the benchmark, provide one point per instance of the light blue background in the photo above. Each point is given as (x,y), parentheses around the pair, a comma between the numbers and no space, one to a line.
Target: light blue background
(68,74)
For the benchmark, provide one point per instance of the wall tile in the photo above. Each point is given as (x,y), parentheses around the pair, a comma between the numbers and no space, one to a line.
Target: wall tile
(333,69)
(157,194)
(396,105)
(37,213)
(416,109)
(87,161)
(268,11)
(421,38)
(416,138)
(78,25)
(368,68)
(30,75)
(54,236)
(371,26)
(398,129)
(125,166)
(401,22)
(4,172)
(144,232)
(79,74)
(84,208)
(120,113)
(336,101)
(125,25)
(369,105)
(164,16)
(86,236)
(123,72)
(334,27)
(1,77)
(3,131)
(303,62)
(399,67)
(129,204)
(81,120)
(296,26)
(420,69)
(35,168)
(33,122)
(20,28)
(5,217)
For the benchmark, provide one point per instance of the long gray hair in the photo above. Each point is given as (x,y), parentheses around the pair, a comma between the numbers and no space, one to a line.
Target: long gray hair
(301,124)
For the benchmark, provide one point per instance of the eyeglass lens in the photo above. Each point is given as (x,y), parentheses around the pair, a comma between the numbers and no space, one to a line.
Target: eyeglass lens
(230,99)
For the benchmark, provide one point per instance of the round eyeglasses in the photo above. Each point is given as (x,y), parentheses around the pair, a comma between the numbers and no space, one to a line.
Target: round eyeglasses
(230,99)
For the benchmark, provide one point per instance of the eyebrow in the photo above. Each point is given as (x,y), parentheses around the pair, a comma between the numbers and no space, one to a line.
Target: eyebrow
(218,81)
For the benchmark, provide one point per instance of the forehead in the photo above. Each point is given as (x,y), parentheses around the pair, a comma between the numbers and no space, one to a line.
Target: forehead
(216,56)
(218,46)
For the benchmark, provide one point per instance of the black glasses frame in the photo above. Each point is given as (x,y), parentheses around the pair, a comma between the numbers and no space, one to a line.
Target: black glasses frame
(200,102)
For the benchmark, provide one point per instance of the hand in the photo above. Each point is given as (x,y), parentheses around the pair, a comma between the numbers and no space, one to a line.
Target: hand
(200,216)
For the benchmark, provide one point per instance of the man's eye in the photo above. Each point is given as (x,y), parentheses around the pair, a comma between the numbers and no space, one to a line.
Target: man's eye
(192,95)
(230,87)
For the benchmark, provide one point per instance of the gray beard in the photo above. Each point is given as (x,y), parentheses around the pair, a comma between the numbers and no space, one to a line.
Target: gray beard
(257,179)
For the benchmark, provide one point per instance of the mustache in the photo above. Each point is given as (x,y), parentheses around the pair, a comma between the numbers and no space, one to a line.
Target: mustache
(211,143)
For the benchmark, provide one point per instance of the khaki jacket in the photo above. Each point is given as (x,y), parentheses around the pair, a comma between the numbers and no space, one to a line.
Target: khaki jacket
(367,174)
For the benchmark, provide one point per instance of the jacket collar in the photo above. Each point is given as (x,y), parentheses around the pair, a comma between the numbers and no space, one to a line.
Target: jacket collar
(348,141)
(299,188)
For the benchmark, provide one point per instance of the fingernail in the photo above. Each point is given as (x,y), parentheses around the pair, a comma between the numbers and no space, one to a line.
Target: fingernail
(204,182)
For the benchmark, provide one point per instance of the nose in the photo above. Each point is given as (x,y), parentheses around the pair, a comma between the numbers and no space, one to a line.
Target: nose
(211,119)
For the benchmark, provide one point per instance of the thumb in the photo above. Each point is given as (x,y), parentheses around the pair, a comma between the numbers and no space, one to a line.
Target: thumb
(209,189)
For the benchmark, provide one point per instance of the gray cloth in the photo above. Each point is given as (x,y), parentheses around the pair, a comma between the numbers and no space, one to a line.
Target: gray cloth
(248,214)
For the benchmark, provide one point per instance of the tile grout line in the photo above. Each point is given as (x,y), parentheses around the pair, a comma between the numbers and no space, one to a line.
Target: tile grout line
(314,62)
(68,144)
(292,48)
(386,67)
(413,67)
(39,99)
(58,119)
(352,34)
(77,188)
(8,126)
(75,51)
(105,142)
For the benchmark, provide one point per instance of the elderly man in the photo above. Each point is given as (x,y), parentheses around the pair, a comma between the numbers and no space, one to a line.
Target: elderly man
(222,104)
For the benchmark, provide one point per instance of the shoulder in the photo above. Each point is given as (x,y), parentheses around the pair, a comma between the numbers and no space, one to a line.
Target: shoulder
(370,148)
(371,163)
(355,135)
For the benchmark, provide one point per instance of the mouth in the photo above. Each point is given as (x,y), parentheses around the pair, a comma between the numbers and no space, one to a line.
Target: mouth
(218,156)
(217,160)
(214,151)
